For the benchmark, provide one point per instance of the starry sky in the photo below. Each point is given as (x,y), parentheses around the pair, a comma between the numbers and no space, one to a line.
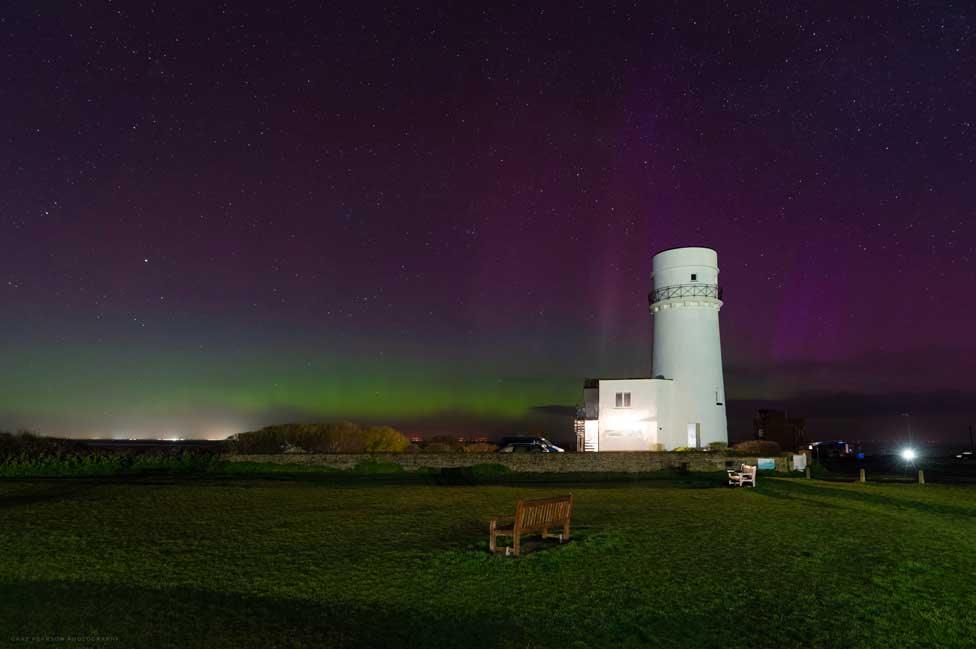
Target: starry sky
(214,218)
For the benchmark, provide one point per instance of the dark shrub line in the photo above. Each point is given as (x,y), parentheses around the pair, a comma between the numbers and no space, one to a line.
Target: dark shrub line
(342,437)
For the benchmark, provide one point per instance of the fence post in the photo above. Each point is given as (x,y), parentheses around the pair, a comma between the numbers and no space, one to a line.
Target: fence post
(921,477)
(862,478)
(807,472)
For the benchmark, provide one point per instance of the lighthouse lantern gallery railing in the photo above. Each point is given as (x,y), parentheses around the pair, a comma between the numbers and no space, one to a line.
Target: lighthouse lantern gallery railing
(685,290)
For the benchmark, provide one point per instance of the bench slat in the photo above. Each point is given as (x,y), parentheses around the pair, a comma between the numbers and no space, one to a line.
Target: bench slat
(539,514)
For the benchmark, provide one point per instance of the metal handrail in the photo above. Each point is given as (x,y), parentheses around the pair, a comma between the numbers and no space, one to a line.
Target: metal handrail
(685,290)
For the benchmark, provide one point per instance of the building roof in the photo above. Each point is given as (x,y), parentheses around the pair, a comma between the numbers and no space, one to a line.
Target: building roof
(593,383)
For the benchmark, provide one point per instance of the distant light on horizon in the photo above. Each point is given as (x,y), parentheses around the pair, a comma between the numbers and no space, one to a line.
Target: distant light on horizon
(136,436)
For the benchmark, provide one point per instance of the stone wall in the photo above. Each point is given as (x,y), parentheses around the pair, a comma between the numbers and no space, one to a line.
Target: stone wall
(605,462)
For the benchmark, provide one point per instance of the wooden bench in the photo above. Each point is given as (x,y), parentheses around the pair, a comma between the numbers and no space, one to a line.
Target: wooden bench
(745,475)
(533,516)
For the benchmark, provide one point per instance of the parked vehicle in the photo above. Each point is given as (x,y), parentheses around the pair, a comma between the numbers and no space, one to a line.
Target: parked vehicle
(528,444)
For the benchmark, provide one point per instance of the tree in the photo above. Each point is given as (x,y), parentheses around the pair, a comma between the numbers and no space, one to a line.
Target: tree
(384,439)
(340,437)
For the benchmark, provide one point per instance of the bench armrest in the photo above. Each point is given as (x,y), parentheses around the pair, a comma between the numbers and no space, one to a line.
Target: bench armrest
(499,519)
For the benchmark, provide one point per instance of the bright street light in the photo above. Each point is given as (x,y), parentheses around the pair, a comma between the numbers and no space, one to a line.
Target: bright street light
(908,454)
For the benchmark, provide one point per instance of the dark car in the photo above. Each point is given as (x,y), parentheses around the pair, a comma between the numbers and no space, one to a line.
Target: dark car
(528,444)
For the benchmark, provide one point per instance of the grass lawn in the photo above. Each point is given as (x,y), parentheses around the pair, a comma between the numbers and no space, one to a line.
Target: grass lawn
(300,562)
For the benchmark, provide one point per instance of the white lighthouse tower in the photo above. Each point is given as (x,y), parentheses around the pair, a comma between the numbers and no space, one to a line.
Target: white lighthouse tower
(682,403)
(685,303)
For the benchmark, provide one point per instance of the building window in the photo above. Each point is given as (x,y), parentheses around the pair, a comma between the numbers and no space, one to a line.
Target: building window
(623,399)
(694,277)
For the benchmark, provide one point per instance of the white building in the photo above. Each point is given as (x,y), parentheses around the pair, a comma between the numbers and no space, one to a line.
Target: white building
(684,403)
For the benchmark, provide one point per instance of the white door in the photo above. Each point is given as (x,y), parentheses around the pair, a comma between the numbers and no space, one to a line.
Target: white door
(694,435)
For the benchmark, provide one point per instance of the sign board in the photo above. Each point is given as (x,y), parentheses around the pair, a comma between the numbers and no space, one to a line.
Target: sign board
(766,463)
(799,462)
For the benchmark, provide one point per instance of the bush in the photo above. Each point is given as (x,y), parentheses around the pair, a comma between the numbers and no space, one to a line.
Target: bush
(717,446)
(266,440)
(377,468)
(447,440)
(488,472)
(481,447)
(25,443)
(438,447)
(28,455)
(758,446)
(341,437)
(383,439)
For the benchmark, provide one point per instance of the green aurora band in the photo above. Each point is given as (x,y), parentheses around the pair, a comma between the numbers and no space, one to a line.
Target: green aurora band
(88,389)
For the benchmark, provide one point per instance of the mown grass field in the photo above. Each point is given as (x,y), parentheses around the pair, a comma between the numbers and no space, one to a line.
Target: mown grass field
(303,562)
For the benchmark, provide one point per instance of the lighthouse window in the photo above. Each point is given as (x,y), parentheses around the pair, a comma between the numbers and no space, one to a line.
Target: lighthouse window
(623,399)
(694,277)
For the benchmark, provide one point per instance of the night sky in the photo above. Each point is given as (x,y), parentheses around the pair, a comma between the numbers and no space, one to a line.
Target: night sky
(214,219)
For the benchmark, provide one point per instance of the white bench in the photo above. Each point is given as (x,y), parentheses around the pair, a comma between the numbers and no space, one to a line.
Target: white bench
(746,475)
